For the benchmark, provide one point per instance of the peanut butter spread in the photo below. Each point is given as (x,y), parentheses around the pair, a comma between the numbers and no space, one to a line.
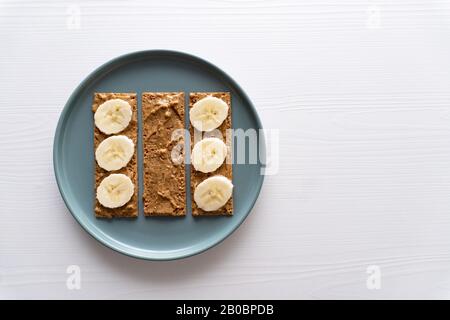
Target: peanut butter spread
(130,209)
(163,144)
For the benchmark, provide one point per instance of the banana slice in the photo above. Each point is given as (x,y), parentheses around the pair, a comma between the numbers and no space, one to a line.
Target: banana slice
(113,116)
(115,190)
(208,113)
(114,152)
(212,193)
(208,154)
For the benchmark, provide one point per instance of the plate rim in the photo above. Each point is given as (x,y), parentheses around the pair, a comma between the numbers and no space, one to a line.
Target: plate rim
(88,227)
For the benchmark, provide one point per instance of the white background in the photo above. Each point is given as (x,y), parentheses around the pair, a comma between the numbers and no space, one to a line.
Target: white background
(360,91)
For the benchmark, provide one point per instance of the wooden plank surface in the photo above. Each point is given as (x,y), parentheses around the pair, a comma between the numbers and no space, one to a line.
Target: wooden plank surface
(359,91)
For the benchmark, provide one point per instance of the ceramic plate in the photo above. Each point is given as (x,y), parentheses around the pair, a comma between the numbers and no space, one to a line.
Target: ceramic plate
(153,238)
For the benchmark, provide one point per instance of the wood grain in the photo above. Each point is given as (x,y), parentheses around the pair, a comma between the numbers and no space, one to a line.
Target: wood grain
(359,94)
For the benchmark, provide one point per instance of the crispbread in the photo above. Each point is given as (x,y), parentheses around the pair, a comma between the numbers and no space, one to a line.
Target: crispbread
(226,169)
(130,209)
(163,143)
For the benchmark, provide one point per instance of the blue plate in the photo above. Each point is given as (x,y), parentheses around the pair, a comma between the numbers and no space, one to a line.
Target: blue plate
(155,238)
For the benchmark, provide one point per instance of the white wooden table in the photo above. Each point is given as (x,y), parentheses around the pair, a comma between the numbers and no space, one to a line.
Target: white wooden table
(360,91)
